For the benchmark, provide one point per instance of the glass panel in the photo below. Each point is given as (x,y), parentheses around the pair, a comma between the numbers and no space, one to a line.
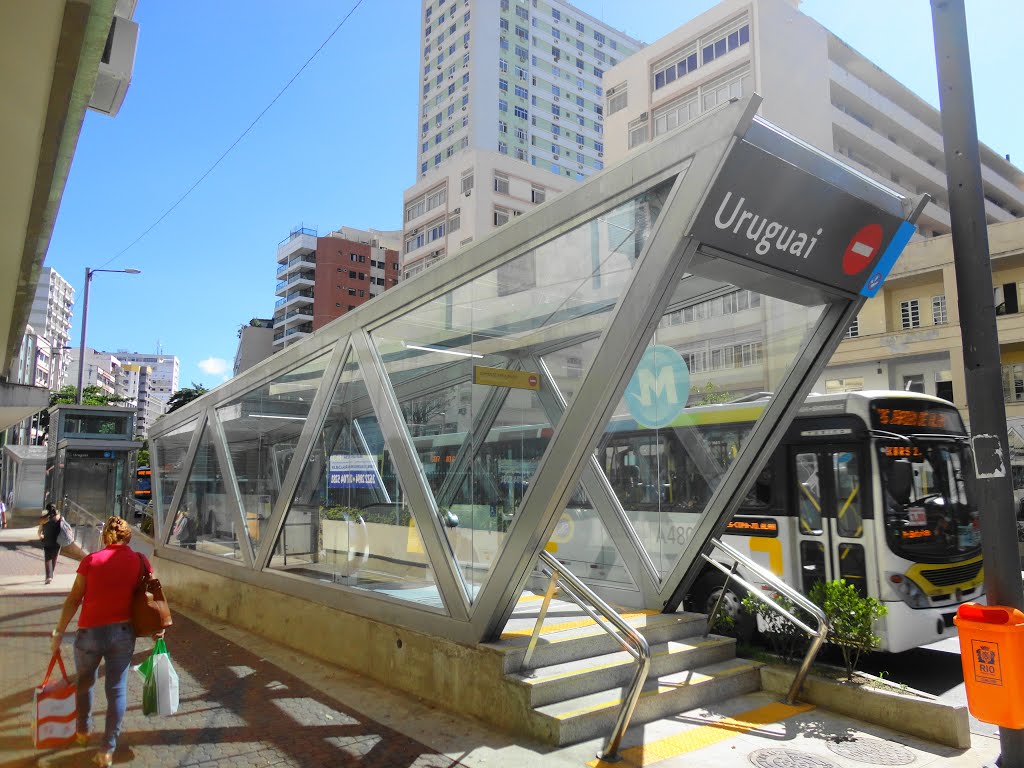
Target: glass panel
(349,521)
(581,542)
(480,443)
(262,428)
(812,563)
(853,568)
(204,521)
(849,519)
(169,454)
(705,379)
(808,493)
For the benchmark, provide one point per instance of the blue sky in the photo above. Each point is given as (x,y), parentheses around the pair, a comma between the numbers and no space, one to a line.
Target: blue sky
(338,147)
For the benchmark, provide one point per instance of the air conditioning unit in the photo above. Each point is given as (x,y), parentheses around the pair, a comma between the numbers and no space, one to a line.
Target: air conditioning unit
(643,116)
(115,70)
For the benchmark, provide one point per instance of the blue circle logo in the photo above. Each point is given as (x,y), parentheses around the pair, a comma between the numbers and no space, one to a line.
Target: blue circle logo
(660,387)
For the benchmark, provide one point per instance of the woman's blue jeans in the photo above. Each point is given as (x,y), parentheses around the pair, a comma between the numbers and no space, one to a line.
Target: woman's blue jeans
(114,644)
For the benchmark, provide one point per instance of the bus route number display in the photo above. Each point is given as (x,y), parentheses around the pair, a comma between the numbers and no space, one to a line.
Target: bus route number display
(903,416)
(753,526)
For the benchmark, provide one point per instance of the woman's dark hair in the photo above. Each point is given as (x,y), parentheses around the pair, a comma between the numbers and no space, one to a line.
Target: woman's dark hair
(51,510)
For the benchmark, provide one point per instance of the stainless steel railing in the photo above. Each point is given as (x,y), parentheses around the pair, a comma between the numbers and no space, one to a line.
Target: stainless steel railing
(88,527)
(781,588)
(611,622)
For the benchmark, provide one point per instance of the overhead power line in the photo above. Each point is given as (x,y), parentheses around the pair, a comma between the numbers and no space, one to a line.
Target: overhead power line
(235,143)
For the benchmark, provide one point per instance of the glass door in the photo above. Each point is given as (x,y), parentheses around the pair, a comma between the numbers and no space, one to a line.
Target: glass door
(830,496)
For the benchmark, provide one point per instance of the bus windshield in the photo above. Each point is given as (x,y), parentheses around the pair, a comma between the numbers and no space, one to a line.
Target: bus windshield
(927,487)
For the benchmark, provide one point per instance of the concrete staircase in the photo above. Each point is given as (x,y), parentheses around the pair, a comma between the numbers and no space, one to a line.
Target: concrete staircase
(579,674)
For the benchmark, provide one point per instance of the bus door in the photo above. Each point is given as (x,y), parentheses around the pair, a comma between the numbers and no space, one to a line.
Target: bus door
(831,493)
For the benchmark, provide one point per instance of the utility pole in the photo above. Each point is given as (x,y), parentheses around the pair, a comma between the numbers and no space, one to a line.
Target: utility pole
(978,325)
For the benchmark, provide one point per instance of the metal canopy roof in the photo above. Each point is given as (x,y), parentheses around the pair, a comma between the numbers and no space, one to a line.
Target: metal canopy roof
(587,281)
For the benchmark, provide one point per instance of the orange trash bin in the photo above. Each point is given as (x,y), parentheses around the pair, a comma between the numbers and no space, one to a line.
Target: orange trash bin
(992,655)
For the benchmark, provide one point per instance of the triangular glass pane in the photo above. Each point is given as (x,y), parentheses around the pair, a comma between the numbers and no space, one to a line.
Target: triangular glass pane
(262,428)
(349,521)
(460,367)
(169,453)
(204,521)
(581,543)
(704,380)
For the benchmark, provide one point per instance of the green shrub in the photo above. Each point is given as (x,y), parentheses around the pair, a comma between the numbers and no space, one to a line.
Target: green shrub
(851,619)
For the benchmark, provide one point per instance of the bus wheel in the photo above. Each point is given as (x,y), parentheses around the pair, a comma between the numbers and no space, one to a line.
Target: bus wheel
(706,594)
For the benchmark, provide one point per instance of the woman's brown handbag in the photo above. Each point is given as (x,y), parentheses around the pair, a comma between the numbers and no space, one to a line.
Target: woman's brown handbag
(150,612)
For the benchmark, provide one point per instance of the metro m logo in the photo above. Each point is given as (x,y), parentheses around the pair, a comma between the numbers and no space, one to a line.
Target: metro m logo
(654,384)
(660,386)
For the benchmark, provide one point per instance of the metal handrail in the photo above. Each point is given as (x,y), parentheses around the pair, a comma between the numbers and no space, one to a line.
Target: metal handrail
(633,643)
(782,588)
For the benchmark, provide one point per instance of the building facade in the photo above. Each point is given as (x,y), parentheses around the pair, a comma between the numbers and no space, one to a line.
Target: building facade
(511,88)
(814,86)
(322,278)
(102,369)
(255,343)
(50,316)
(164,371)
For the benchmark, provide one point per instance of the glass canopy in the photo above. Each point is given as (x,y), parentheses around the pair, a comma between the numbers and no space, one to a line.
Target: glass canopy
(550,386)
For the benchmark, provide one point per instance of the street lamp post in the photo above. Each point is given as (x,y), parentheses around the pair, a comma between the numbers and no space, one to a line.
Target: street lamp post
(85,317)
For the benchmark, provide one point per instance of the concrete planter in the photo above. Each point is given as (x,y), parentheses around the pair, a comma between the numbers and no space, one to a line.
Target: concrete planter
(912,713)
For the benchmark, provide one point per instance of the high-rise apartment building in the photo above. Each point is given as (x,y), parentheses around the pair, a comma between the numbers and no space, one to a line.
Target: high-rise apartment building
(322,278)
(163,375)
(136,383)
(814,86)
(50,316)
(822,91)
(510,114)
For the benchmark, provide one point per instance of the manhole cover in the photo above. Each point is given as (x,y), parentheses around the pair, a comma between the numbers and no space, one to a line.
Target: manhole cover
(788,758)
(872,751)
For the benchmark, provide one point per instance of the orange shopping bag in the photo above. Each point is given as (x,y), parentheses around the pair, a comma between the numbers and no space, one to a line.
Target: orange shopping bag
(54,709)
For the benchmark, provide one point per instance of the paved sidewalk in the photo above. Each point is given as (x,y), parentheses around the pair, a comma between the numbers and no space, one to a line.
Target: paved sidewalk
(248,702)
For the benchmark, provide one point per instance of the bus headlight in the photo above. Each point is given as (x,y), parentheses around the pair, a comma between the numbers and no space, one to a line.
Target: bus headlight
(908,591)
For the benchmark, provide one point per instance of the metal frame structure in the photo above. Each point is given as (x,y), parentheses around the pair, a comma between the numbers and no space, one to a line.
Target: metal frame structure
(686,170)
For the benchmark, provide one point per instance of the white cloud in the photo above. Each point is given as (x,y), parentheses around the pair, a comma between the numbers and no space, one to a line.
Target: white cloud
(214,366)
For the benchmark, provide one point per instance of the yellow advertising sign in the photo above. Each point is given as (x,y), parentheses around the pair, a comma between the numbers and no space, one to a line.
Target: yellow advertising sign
(502,377)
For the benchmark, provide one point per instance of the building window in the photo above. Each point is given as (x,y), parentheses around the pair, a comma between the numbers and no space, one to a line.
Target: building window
(1013,383)
(939,316)
(618,99)
(467,183)
(521,113)
(637,133)
(679,64)
(849,384)
(724,40)
(853,331)
(501,183)
(910,314)
(502,105)
(914,383)
(501,216)
(537,195)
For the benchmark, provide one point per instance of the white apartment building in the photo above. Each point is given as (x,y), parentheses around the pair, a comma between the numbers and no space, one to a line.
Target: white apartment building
(511,113)
(50,316)
(136,382)
(163,381)
(814,86)
(102,369)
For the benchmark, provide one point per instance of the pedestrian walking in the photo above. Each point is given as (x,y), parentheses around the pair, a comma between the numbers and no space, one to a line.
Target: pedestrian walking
(104,588)
(49,530)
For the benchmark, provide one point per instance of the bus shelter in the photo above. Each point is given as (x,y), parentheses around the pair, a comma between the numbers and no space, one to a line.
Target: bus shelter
(409,461)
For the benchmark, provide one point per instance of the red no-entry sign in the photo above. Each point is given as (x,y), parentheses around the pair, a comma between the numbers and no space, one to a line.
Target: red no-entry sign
(862,249)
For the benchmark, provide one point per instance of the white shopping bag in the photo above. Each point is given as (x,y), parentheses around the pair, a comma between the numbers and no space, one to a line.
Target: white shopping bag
(166,685)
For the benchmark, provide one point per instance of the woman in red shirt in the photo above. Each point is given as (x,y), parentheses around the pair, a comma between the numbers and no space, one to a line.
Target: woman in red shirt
(104,587)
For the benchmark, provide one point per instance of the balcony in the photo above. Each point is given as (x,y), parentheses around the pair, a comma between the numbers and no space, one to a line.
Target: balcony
(299,241)
(297,280)
(303,261)
(295,298)
(293,335)
(299,314)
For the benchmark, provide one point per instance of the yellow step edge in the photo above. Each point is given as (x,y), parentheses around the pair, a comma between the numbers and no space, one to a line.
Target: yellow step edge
(627,660)
(702,736)
(695,679)
(548,629)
